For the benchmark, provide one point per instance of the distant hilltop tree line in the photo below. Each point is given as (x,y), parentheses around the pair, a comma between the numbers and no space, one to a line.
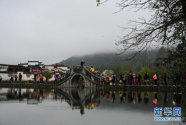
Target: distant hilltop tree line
(149,61)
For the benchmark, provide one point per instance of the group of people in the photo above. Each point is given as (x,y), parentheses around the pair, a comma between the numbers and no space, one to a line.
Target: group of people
(134,79)
(178,78)
(111,79)
(58,78)
(96,72)
(15,78)
(40,78)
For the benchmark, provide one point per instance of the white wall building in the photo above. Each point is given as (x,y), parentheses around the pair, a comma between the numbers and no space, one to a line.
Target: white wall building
(30,71)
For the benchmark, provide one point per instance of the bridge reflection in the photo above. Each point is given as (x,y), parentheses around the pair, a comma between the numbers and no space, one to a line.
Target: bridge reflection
(81,98)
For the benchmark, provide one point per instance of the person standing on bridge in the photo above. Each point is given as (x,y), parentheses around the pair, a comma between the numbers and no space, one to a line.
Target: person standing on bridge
(107,79)
(41,79)
(146,78)
(113,79)
(130,79)
(0,78)
(20,77)
(155,79)
(97,72)
(15,78)
(92,69)
(121,79)
(11,79)
(124,79)
(134,79)
(82,63)
(138,78)
(165,78)
(56,78)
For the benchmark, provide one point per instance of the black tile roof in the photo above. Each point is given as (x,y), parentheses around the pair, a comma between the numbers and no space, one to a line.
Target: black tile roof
(17,67)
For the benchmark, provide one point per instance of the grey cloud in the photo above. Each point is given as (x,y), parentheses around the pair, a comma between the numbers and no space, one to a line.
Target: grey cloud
(53,30)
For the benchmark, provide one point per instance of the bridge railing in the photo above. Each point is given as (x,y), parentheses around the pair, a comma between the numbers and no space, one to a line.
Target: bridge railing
(65,78)
(97,79)
(77,69)
(90,76)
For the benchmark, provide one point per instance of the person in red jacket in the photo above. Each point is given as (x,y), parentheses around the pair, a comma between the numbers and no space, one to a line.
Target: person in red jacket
(107,79)
(155,78)
(41,79)
(134,79)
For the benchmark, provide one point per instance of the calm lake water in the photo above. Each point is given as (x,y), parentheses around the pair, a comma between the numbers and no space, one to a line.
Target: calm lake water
(85,107)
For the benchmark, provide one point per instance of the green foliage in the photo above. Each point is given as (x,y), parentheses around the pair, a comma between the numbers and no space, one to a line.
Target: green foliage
(166,26)
(125,68)
(176,59)
(47,75)
(145,70)
(106,61)
(101,61)
(157,71)
(115,69)
(124,72)
(128,66)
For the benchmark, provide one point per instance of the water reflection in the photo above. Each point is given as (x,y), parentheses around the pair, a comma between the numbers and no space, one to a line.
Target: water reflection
(93,99)
(155,100)
(80,98)
(146,98)
(139,98)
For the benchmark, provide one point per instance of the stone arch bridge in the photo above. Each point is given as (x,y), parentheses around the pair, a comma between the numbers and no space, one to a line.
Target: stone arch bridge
(89,78)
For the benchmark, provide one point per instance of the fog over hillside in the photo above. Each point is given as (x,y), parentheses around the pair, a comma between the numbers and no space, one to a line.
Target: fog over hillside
(104,61)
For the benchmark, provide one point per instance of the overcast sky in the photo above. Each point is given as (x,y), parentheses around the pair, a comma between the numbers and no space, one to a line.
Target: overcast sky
(53,30)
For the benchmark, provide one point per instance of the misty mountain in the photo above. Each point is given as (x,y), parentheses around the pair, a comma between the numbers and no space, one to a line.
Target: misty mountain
(104,61)
(99,61)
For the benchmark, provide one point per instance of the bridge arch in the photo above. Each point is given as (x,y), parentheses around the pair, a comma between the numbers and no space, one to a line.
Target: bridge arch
(90,79)
(77,94)
(86,83)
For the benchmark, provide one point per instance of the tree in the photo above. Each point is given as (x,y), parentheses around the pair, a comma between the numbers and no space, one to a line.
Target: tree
(167,25)
(115,69)
(128,67)
(178,59)
(47,75)
(144,70)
